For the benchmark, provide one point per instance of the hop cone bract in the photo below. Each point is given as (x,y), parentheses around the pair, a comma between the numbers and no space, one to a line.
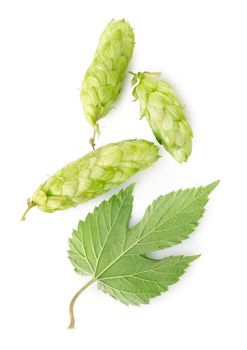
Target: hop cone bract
(103,80)
(164,113)
(97,172)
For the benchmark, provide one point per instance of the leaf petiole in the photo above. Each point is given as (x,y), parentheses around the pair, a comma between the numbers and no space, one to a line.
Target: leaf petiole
(73,300)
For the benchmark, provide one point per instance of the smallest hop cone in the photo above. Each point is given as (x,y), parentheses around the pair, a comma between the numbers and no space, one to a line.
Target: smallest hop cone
(164,113)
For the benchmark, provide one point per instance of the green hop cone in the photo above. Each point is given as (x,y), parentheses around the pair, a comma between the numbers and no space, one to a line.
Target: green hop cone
(94,174)
(103,80)
(164,113)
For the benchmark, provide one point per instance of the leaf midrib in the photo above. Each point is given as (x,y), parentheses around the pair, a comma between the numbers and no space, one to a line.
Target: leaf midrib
(119,211)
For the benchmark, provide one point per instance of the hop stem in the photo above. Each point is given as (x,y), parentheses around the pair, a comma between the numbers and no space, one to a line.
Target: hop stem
(29,206)
(73,300)
(96,131)
(92,140)
(152,74)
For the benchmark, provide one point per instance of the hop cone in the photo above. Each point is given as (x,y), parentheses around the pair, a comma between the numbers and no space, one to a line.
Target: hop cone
(97,172)
(164,113)
(103,80)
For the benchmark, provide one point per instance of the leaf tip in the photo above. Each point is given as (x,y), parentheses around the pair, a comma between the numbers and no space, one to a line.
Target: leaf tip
(129,189)
(212,186)
(195,257)
(131,186)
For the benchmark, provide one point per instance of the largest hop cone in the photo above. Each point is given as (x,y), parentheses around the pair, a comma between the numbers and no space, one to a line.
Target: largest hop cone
(94,174)
(164,113)
(103,80)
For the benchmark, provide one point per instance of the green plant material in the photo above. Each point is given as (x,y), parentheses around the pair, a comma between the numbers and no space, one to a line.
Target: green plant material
(164,113)
(103,80)
(94,174)
(105,247)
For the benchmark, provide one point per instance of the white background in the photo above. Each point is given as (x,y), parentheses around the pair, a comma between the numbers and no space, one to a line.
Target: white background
(46,46)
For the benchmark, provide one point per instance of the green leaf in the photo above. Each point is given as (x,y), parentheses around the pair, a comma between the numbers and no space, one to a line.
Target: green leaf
(94,245)
(115,255)
(169,220)
(135,279)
